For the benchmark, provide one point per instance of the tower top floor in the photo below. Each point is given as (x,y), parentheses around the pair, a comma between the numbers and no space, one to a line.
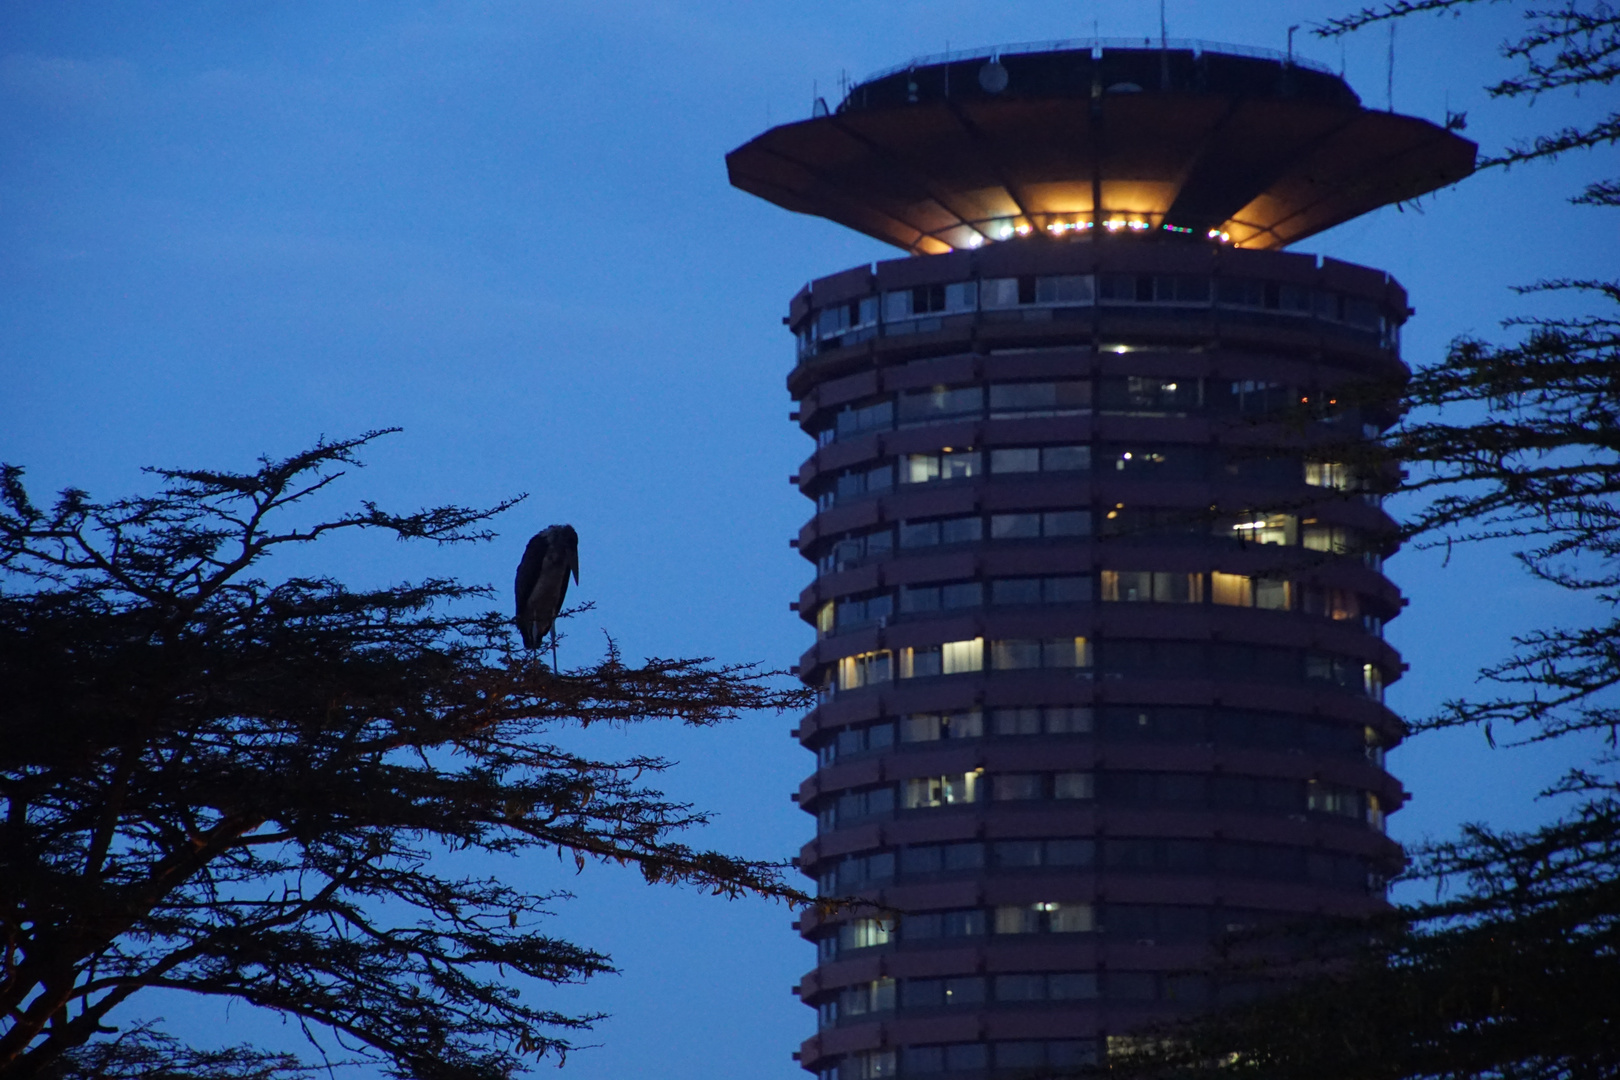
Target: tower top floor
(1069,140)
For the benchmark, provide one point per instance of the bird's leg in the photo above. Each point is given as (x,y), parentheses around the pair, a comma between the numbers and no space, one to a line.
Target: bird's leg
(554,649)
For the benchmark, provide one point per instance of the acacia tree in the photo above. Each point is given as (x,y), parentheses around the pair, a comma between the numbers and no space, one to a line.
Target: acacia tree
(219,783)
(1514,969)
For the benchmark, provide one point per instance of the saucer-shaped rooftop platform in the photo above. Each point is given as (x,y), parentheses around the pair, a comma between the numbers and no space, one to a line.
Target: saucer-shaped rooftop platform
(1068,139)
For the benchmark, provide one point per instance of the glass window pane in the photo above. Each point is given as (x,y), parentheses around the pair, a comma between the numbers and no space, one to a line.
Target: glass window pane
(1013,654)
(1234,590)
(1018,721)
(919,533)
(968,990)
(1015,591)
(968,856)
(1017,920)
(1072,986)
(1018,786)
(1073,785)
(1023,1054)
(923,994)
(960,530)
(1068,720)
(1071,852)
(1066,590)
(998,292)
(920,727)
(919,468)
(1018,460)
(962,296)
(1065,458)
(1272,594)
(1020,987)
(1015,526)
(959,465)
(1019,397)
(1067,523)
(962,656)
(921,598)
(1016,853)
(1071,919)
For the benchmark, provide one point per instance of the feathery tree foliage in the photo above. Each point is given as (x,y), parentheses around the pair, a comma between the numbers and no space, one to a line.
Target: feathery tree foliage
(262,790)
(1514,969)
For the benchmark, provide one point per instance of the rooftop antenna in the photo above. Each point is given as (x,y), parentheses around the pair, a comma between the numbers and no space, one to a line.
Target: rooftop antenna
(1291,30)
(1164,50)
(1389,86)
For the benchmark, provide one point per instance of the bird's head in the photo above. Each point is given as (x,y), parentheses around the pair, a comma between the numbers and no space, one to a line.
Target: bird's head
(570,541)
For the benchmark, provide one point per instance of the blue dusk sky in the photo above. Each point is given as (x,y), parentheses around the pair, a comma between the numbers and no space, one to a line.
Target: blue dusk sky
(227,229)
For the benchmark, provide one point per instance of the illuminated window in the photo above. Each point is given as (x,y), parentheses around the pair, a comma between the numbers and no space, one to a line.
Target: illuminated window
(1324,798)
(864,669)
(1233,590)
(1372,680)
(1330,474)
(930,727)
(946,465)
(950,790)
(1047,917)
(1264,529)
(1157,586)
(1335,539)
(1272,594)
(948,658)
(963,656)
(824,619)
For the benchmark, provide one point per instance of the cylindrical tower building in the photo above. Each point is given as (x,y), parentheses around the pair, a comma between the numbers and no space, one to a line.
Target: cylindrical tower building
(1099,647)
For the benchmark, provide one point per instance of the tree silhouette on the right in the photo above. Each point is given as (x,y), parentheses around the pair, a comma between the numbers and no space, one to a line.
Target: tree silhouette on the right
(1513,970)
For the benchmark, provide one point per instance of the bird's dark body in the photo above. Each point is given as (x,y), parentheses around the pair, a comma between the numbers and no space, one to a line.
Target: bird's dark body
(541,585)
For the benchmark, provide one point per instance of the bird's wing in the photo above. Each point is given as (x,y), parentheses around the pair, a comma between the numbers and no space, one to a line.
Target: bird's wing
(528,571)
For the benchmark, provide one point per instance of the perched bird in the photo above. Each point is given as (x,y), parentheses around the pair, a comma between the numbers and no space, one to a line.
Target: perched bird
(542,582)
